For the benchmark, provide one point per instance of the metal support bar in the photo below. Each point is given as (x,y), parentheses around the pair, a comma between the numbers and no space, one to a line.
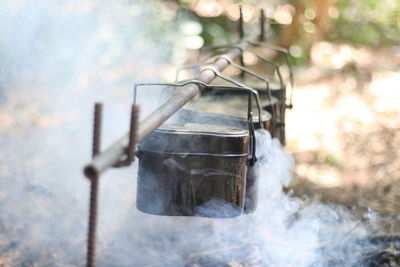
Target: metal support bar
(117,150)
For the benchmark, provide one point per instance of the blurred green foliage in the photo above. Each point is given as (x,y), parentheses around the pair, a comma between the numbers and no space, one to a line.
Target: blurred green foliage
(331,160)
(361,22)
(373,23)
(216,30)
(368,22)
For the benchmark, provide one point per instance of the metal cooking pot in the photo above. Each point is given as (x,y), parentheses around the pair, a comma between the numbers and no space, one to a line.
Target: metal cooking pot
(193,170)
(222,108)
(193,116)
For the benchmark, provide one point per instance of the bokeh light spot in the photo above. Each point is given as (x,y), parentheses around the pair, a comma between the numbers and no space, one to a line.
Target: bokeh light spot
(191,28)
(207,8)
(296,51)
(194,42)
(310,13)
(284,14)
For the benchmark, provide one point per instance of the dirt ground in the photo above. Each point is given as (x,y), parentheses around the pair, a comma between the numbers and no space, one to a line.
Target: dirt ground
(344,131)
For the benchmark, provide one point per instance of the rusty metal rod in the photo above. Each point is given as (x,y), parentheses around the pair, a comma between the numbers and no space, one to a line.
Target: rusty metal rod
(92,229)
(94,188)
(98,111)
(262,26)
(132,133)
(118,150)
(241,34)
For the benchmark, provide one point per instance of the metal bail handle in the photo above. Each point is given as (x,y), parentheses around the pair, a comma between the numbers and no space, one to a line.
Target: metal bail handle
(289,64)
(252,158)
(238,86)
(258,76)
(259,56)
(252,73)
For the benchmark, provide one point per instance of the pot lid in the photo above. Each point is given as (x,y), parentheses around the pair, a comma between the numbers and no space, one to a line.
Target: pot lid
(196,138)
(198,116)
(232,105)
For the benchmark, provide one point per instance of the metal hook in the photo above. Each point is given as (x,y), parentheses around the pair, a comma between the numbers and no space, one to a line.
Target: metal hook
(206,61)
(266,60)
(220,75)
(277,69)
(243,69)
(254,74)
(288,63)
(276,122)
(274,64)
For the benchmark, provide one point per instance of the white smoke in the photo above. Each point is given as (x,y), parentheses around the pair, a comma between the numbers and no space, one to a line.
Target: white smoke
(283,231)
(56,59)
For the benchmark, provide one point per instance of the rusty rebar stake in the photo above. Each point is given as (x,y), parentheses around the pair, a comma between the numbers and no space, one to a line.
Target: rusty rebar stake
(94,188)
(241,23)
(241,34)
(262,26)
(98,113)
(130,150)
(91,245)
(132,133)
